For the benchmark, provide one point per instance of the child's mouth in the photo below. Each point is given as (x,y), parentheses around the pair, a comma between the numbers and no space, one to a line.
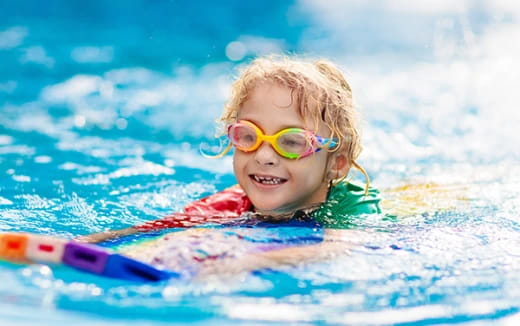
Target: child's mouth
(267,180)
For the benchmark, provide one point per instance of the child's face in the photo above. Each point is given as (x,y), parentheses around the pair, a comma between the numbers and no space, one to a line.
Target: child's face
(275,184)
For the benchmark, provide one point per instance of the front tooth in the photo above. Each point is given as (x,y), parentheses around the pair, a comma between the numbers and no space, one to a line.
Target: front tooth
(267,180)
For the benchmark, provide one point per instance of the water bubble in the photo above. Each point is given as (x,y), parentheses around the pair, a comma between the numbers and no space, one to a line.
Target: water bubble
(6,140)
(37,54)
(43,159)
(121,124)
(12,37)
(236,51)
(79,121)
(21,178)
(92,54)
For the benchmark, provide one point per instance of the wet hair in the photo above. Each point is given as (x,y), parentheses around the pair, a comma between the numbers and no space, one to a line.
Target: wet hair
(321,92)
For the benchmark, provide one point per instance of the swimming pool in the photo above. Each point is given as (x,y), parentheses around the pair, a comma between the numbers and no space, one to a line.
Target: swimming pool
(103,107)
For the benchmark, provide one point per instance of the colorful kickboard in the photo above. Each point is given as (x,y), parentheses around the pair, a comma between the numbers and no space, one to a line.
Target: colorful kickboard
(25,248)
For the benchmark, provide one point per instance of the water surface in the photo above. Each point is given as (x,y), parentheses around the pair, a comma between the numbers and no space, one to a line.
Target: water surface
(103,107)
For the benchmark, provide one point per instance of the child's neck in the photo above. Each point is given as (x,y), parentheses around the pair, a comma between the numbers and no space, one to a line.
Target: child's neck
(287,215)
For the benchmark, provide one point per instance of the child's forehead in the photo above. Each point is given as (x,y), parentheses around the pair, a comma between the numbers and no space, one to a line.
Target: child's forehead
(278,95)
(268,93)
(269,115)
(274,119)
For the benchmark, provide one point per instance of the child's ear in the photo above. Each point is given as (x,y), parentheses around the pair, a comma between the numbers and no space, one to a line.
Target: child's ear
(339,165)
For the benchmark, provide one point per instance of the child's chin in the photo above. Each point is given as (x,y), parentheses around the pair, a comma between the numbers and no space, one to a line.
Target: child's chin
(264,202)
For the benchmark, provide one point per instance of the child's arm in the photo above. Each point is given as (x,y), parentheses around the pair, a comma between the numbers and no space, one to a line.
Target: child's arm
(221,207)
(106,235)
(334,244)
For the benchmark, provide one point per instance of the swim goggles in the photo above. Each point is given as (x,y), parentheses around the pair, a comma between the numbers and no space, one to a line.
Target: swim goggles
(291,143)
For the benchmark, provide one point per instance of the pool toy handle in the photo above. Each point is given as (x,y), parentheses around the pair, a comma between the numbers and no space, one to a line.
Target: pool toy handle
(26,248)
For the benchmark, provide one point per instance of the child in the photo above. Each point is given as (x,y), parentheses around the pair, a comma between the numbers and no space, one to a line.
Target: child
(295,133)
(296,137)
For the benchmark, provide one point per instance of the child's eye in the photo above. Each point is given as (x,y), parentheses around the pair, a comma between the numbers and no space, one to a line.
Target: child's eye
(245,137)
(293,142)
(248,138)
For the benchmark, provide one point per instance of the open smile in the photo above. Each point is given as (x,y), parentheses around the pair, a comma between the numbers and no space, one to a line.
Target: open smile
(267,180)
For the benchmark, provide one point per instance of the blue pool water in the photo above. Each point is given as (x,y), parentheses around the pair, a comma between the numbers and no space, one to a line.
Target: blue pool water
(103,106)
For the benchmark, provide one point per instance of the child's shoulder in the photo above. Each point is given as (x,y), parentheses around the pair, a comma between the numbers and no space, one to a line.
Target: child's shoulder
(348,199)
(349,190)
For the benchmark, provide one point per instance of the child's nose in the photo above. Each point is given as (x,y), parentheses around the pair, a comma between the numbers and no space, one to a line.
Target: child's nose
(266,155)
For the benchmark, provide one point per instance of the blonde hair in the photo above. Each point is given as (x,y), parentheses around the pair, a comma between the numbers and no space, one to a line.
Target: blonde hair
(321,92)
